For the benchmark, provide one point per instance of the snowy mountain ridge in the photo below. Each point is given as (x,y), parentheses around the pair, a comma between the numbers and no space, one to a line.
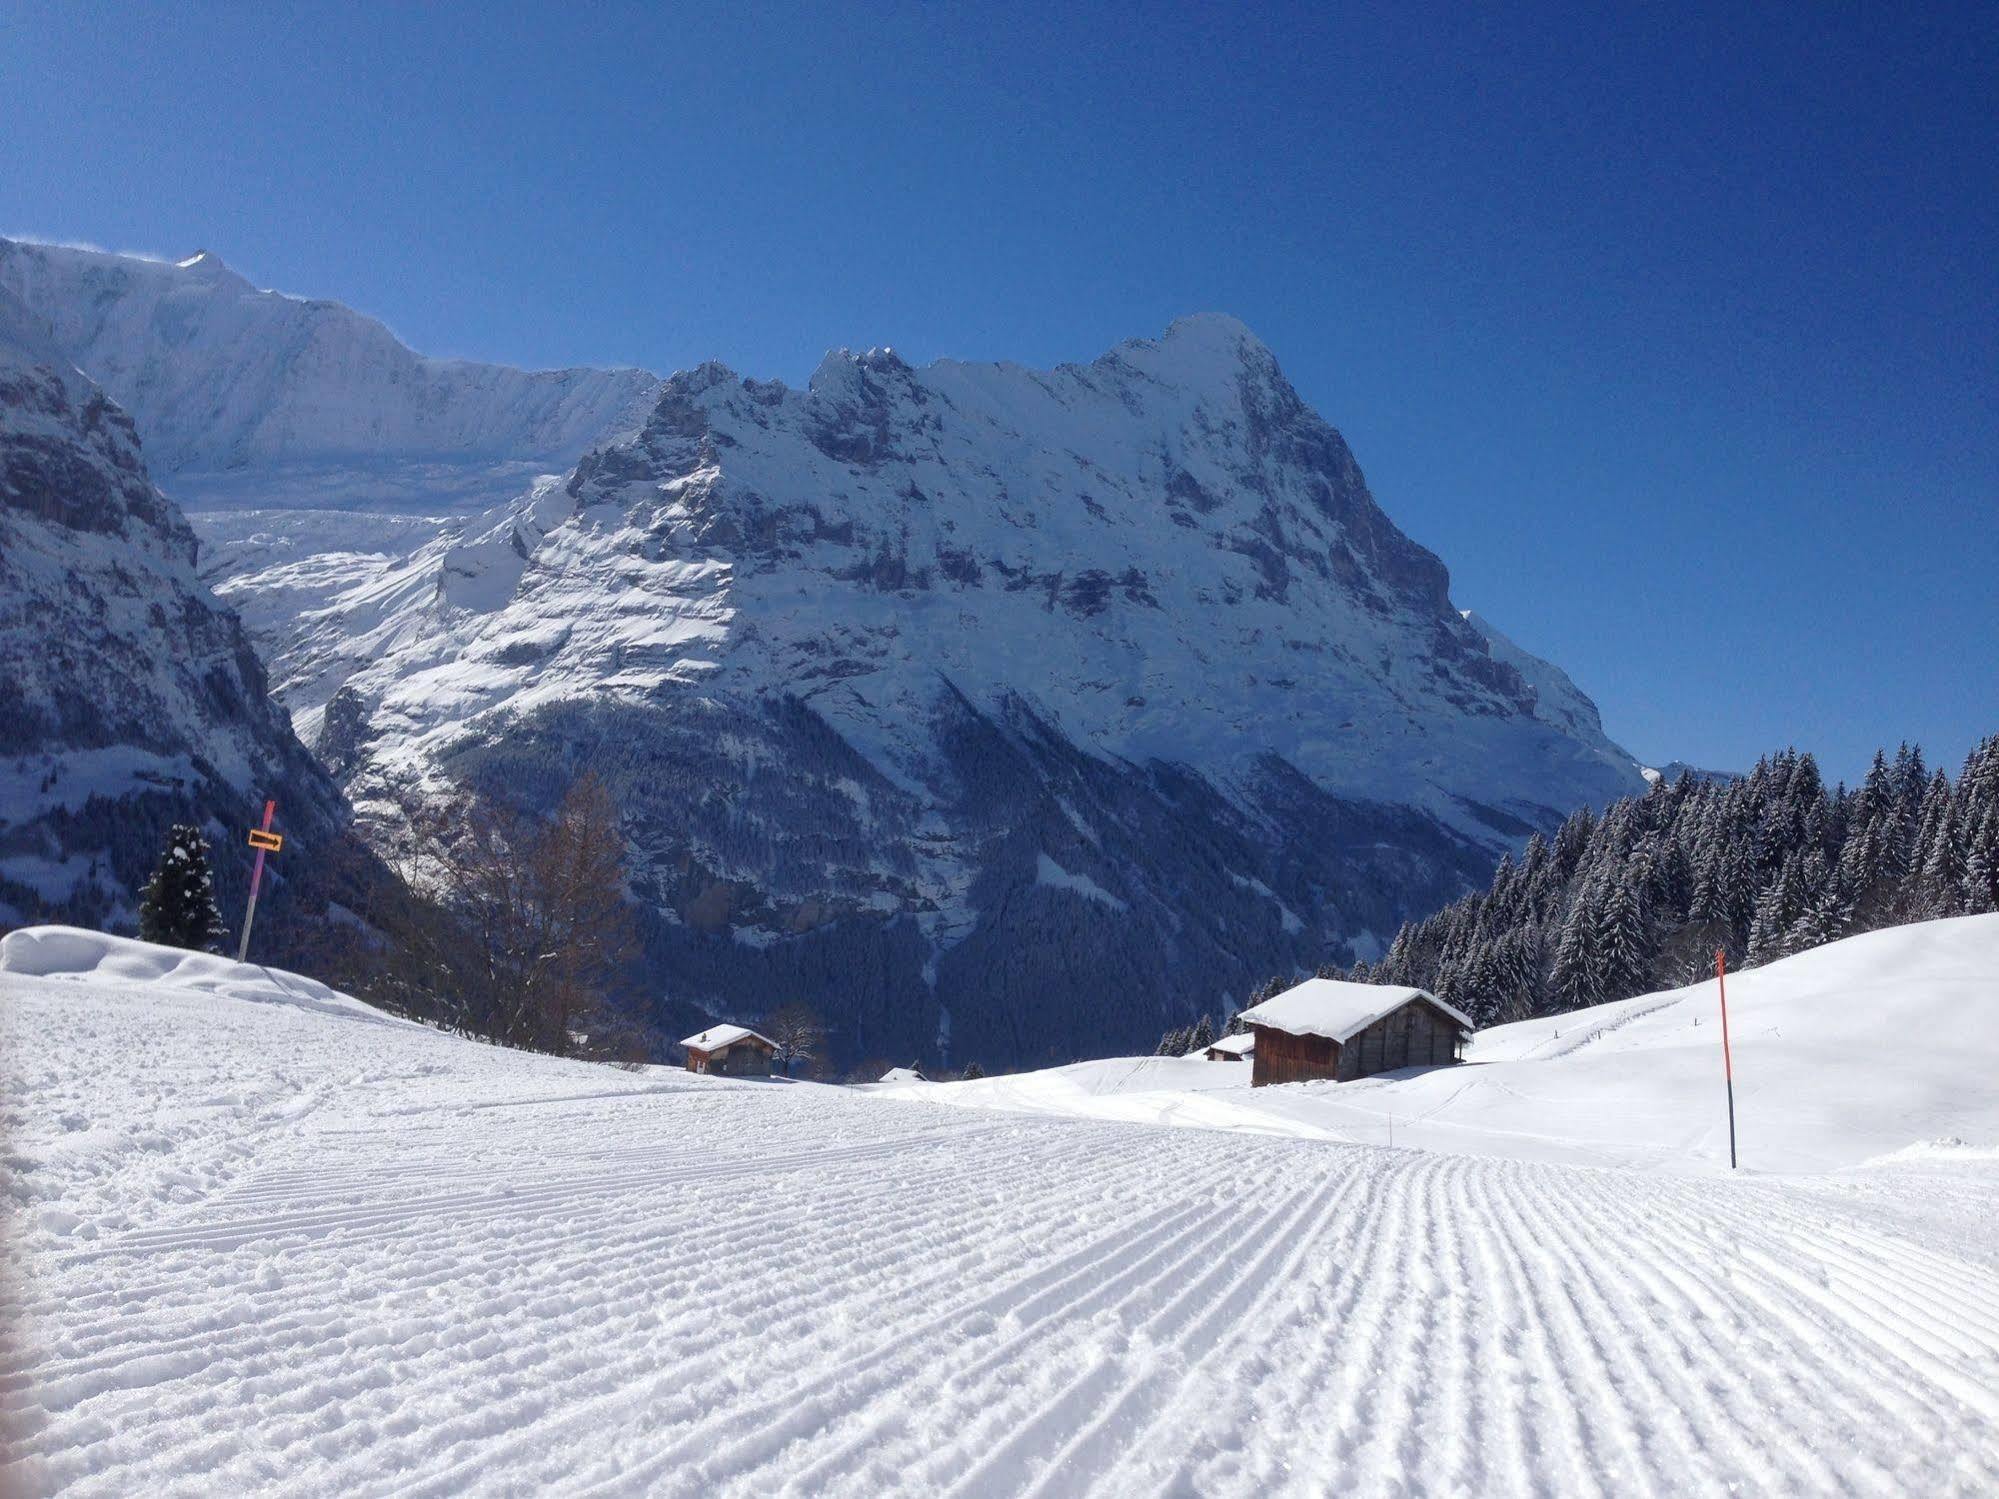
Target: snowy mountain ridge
(248,394)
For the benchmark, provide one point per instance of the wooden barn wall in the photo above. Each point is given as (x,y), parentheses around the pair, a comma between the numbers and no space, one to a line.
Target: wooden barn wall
(1285,1058)
(744,1060)
(1413,1036)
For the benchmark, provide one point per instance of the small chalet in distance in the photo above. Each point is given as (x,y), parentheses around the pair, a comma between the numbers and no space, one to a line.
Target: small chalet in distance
(904,1075)
(730,1051)
(1324,1028)
(1233,1048)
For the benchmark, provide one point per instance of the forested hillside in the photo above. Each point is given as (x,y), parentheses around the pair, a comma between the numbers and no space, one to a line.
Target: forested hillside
(1639,897)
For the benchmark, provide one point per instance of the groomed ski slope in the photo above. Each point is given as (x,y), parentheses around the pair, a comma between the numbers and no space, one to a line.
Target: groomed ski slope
(269,1240)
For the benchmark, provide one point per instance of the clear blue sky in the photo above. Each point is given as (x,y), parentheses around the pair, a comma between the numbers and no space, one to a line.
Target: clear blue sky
(1676,336)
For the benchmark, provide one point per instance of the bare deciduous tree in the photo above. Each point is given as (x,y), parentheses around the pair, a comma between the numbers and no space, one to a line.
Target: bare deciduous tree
(520,926)
(798,1032)
(580,919)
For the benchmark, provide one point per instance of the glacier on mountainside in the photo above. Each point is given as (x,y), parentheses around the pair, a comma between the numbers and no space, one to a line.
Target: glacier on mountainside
(249,398)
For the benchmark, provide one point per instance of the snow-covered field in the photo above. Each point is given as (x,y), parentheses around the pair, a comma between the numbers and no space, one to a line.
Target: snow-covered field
(269,1240)
(1842,1055)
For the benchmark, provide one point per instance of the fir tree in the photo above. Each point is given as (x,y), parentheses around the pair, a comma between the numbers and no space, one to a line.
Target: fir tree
(1939,864)
(177,907)
(1981,866)
(1204,1035)
(1623,937)
(1575,976)
(972,1073)
(1777,909)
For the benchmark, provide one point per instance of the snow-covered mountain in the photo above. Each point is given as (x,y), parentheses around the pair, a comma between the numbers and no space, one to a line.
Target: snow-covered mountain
(131,697)
(249,396)
(993,710)
(997,712)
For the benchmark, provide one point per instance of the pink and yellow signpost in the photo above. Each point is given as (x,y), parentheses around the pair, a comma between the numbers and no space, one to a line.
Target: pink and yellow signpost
(264,841)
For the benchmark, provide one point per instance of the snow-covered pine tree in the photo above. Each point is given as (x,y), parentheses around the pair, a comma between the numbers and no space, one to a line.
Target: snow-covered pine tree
(1824,913)
(1777,910)
(1204,1035)
(972,1073)
(1974,831)
(177,907)
(1981,866)
(1623,934)
(1912,779)
(1572,841)
(1516,974)
(1738,877)
(1575,977)
(1863,874)
(1937,885)
(1672,880)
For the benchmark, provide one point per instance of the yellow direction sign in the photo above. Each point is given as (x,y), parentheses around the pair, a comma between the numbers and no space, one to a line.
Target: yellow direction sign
(260,838)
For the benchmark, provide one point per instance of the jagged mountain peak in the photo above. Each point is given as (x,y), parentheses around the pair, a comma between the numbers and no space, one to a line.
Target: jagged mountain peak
(208,270)
(840,366)
(1186,569)
(1201,341)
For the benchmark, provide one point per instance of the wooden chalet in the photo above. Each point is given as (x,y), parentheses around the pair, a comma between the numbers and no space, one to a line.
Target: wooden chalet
(904,1075)
(1326,1029)
(1233,1048)
(730,1051)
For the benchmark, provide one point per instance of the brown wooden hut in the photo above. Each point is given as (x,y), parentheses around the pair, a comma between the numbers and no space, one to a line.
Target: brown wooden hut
(1324,1028)
(1237,1048)
(730,1051)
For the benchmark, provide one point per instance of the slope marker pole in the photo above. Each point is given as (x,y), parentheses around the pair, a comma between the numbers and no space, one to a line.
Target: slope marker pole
(263,840)
(1727,1063)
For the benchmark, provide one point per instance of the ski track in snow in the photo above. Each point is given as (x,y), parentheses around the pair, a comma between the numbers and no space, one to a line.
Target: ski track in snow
(271,1249)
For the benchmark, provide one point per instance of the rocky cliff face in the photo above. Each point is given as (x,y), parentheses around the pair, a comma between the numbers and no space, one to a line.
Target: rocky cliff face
(131,697)
(999,713)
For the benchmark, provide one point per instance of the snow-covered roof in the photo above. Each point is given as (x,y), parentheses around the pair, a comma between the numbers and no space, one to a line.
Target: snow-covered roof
(1235,1046)
(1337,1010)
(718,1036)
(903,1075)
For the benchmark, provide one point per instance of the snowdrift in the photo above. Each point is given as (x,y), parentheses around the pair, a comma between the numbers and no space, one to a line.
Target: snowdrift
(1853,1051)
(64,952)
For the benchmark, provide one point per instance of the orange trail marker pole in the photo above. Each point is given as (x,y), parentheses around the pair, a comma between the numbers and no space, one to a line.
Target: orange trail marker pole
(256,879)
(1727,1063)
